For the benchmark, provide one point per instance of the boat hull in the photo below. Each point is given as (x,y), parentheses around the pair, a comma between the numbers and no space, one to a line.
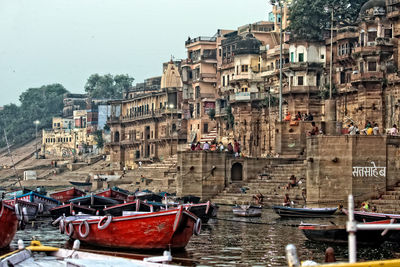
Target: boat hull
(247,211)
(151,231)
(303,212)
(8,224)
(338,235)
(65,195)
(204,211)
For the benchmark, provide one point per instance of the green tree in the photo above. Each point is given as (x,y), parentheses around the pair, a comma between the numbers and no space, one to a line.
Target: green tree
(41,104)
(309,19)
(108,86)
(98,137)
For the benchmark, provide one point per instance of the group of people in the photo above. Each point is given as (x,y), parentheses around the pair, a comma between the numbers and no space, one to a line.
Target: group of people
(219,147)
(299,117)
(369,129)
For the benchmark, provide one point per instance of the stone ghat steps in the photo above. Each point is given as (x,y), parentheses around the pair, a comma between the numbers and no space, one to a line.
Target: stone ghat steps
(389,202)
(275,199)
(272,185)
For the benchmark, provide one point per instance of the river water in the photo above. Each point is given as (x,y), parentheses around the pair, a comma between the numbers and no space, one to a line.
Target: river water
(234,241)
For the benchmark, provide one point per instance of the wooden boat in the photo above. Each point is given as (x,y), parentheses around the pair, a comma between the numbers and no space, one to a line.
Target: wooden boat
(148,231)
(247,211)
(8,224)
(135,206)
(114,194)
(189,199)
(30,210)
(33,256)
(67,194)
(338,234)
(149,196)
(70,209)
(204,211)
(80,183)
(94,201)
(34,197)
(303,212)
(364,216)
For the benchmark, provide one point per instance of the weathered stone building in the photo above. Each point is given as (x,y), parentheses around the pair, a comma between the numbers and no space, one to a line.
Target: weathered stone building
(148,125)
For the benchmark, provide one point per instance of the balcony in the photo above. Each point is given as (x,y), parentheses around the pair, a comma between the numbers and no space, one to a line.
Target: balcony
(206,77)
(371,76)
(302,65)
(247,96)
(113,119)
(200,39)
(350,34)
(300,89)
(142,115)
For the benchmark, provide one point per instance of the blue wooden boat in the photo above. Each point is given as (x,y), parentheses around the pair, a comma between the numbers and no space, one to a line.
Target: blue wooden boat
(303,212)
(95,201)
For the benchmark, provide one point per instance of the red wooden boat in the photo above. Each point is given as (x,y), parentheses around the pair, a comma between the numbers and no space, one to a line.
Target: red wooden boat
(67,194)
(8,224)
(70,209)
(134,206)
(145,231)
(110,193)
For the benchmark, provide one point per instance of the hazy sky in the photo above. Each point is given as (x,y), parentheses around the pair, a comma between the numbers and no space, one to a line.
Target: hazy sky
(65,41)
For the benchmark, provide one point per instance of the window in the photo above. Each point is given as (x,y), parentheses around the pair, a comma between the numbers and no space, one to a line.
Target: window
(292,57)
(362,39)
(322,56)
(301,57)
(388,33)
(300,80)
(372,66)
(223,80)
(245,68)
(372,36)
(342,77)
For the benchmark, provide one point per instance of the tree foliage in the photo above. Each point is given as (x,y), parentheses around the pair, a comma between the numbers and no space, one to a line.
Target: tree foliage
(211,114)
(108,86)
(309,19)
(98,137)
(41,104)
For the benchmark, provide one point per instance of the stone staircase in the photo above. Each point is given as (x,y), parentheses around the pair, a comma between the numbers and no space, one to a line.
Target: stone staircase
(158,176)
(209,137)
(271,183)
(388,202)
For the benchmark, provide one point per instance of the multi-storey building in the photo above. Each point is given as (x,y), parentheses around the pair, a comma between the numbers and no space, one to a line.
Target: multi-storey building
(148,126)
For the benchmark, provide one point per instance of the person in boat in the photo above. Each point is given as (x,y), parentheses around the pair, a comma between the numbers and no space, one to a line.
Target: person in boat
(259,198)
(365,206)
(286,200)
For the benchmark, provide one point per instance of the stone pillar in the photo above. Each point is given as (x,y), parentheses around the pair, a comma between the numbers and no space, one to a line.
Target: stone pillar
(330,117)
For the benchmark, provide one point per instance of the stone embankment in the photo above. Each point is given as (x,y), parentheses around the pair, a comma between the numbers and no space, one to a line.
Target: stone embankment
(271,183)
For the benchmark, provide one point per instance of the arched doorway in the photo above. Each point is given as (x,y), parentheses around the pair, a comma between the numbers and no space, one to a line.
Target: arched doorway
(237,172)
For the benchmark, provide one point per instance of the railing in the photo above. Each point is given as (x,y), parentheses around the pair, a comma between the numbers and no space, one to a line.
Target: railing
(367,76)
(200,39)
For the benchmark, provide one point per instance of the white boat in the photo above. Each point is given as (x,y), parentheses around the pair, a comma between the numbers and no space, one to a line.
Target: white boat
(247,210)
(66,257)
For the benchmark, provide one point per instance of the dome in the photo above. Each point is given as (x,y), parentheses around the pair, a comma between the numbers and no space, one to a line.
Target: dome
(372,4)
(171,77)
(248,45)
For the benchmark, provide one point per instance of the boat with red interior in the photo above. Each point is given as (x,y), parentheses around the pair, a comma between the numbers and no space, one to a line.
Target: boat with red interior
(113,194)
(67,194)
(8,224)
(142,231)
